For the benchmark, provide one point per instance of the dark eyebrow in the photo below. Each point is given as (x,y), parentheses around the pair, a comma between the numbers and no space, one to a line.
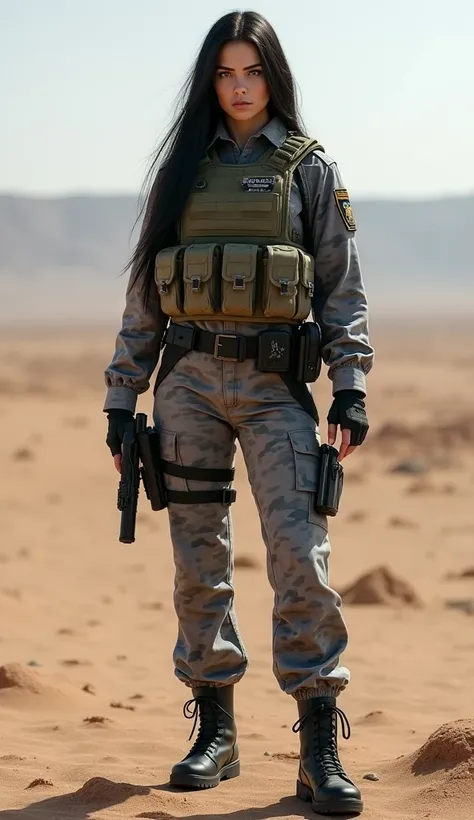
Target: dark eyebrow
(247,68)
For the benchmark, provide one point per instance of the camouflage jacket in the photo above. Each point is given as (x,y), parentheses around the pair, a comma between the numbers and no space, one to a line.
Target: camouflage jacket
(339,303)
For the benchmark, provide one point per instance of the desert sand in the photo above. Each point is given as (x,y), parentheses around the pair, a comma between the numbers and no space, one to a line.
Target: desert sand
(90,711)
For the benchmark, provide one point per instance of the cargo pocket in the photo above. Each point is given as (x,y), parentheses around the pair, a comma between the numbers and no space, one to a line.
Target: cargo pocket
(201,279)
(305,445)
(169,452)
(169,279)
(306,286)
(280,281)
(239,267)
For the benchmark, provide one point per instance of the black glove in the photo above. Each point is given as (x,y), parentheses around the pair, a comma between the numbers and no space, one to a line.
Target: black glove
(348,410)
(117,421)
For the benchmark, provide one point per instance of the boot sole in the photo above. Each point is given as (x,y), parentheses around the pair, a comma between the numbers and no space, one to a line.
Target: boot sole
(194,781)
(349,805)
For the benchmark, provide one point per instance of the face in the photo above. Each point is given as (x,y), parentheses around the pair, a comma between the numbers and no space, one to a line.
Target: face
(240,84)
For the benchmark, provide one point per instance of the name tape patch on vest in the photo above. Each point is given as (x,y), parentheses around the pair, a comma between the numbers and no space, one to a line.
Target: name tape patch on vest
(261,185)
(345,208)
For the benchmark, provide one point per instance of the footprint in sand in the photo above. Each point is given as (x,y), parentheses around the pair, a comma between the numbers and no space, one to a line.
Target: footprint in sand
(156,815)
(116,704)
(75,662)
(282,755)
(246,562)
(98,720)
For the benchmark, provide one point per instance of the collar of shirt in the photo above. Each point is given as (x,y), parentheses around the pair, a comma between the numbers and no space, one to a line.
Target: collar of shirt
(275,132)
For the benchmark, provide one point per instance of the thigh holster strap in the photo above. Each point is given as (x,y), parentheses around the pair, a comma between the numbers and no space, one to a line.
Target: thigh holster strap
(225,497)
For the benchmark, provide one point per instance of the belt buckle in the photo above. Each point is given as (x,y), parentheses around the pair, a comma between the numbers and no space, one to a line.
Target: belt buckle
(218,344)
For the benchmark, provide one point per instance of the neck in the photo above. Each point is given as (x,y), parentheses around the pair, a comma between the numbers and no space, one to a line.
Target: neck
(242,130)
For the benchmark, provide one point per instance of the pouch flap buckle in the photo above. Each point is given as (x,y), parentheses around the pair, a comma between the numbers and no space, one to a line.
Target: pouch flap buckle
(239,264)
(283,268)
(165,266)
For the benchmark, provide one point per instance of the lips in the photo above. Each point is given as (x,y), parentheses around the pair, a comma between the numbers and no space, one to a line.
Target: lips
(241,104)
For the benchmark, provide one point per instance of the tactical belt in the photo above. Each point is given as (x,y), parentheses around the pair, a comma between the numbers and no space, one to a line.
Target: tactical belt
(223,346)
(225,496)
(178,339)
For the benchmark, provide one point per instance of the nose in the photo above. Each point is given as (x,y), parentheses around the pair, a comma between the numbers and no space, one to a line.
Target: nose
(240,89)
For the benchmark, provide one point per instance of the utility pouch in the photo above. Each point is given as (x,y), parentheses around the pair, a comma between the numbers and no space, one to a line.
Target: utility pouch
(330,481)
(201,279)
(280,281)
(274,351)
(151,469)
(308,352)
(306,285)
(169,279)
(239,268)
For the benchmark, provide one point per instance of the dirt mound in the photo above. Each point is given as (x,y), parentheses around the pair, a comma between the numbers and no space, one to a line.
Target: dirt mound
(375,718)
(457,576)
(16,676)
(436,780)
(449,746)
(435,437)
(22,686)
(101,790)
(381,586)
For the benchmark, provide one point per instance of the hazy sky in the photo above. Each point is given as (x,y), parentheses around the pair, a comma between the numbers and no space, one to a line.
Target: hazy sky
(87,87)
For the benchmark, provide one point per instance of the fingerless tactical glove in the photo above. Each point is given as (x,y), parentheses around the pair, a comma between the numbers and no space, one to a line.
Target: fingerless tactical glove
(348,411)
(117,422)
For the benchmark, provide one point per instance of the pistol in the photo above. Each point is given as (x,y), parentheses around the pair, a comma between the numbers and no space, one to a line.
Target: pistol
(140,462)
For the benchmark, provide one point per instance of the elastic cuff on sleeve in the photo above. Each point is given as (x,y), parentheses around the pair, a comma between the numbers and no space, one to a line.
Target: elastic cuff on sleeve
(120,398)
(348,378)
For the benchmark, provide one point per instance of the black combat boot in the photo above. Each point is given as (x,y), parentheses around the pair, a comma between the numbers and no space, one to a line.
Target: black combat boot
(215,754)
(321,779)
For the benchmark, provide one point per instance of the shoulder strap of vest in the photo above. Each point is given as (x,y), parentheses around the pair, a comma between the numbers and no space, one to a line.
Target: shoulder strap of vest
(207,161)
(292,151)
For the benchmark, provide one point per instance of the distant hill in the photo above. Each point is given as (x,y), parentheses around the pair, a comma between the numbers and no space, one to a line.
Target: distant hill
(61,258)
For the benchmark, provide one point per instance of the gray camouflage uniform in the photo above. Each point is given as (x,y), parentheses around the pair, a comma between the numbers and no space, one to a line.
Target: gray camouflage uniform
(204,405)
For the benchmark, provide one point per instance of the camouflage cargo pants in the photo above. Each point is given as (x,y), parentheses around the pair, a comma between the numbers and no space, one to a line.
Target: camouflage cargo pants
(201,407)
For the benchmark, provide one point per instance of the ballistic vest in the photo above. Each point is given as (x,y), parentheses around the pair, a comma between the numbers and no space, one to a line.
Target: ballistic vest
(238,258)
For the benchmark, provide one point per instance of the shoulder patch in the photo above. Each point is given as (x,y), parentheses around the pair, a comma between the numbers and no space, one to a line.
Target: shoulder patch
(345,208)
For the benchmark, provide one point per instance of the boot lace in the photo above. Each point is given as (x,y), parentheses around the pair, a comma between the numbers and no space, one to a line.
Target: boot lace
(324,719)
(207,710)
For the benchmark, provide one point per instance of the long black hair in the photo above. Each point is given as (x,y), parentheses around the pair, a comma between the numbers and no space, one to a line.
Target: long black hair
(175,163)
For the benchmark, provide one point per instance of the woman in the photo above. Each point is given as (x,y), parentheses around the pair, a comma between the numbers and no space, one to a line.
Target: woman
(248,228)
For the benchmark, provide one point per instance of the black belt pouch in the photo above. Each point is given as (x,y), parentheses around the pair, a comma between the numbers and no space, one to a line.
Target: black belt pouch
(274,351)
(308,353)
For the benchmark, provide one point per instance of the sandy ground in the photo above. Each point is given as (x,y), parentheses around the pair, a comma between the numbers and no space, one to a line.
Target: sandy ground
(90,712)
